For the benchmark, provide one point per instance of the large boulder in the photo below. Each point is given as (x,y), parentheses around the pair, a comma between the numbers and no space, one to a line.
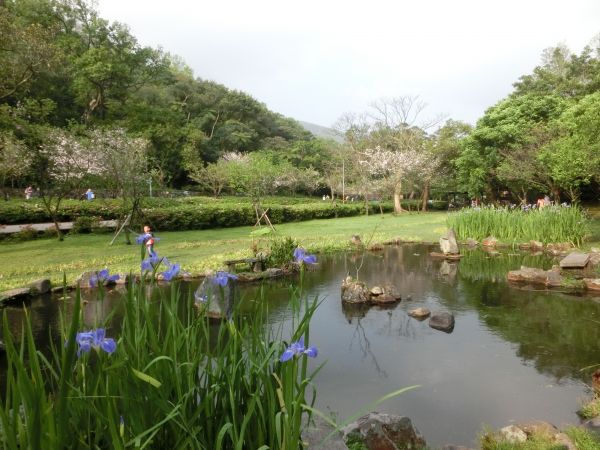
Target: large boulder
(391,290)
(443,321)
(420,313)
(531,275)
(593,426)
(41,286)
(17,294)
(530,431)
(489,241)
(592,284)
(384,299)
(383,296)
(558,249)
(595,258)
(512,434)
(536,245)
(448,243)
(471,242)
(376,290)
(319,434)
(378,431)
(354,291)
(575,260)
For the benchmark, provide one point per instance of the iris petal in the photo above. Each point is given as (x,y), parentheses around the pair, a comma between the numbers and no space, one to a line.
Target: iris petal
(287,355)
(108,345)
(311,351)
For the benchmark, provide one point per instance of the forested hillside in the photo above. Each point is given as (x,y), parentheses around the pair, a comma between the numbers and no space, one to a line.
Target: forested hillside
(62,67)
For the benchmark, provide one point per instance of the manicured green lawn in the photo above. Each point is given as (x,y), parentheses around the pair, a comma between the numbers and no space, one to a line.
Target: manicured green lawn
(198,251)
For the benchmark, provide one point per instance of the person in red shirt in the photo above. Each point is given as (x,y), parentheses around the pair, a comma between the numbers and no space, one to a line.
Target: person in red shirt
(149,240)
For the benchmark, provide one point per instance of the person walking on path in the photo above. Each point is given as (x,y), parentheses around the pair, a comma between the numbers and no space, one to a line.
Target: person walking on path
(28,192)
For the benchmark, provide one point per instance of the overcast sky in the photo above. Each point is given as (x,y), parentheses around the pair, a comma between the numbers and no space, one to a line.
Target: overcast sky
(315,60)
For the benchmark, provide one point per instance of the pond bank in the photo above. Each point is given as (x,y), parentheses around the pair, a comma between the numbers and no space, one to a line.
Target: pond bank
(512,355)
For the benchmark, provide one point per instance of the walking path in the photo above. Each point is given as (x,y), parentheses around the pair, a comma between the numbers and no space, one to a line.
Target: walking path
(9,229)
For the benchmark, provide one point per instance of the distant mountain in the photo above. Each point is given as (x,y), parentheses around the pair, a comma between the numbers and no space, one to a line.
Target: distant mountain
(321,131)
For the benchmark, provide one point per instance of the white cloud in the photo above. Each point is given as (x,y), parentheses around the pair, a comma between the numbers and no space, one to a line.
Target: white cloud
(316,60)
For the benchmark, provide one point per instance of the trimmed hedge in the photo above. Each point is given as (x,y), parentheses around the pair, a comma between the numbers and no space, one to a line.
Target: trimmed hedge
(218,216)
(194,213)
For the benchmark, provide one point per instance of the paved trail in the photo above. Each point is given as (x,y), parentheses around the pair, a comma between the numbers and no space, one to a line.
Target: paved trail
(8,229)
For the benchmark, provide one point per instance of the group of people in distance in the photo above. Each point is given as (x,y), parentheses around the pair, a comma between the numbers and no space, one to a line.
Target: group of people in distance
(89,194)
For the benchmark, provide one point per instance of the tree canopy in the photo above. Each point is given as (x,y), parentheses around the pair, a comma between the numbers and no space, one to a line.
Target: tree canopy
(62,66)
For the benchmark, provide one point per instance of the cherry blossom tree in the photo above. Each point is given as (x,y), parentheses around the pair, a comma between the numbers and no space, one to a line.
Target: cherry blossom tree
(62,164)
(390,168)
(123,166)
(14,160)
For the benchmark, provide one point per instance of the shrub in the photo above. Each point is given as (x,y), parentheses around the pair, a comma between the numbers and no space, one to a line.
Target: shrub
(281,250)
(85,224)
(27,233)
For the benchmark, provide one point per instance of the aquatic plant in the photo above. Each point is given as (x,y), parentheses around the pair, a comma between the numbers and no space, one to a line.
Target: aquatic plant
(548,225)
(297,349)
(151,263)
(222,278)
(94,339)
(101,277)
(300,256)
(171,272)
(175,380)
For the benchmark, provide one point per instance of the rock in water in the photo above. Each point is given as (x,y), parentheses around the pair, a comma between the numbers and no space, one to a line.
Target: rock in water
(442,321)
(448,243)
(376,290)
(575,260)
(419,313)
(354,291)
(513,434)
(378,431)
(40,286)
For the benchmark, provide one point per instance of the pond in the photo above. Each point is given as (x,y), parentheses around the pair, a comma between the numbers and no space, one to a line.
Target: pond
(514,354)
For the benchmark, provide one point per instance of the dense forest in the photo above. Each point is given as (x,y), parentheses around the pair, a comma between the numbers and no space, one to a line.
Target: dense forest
(545,136)
(62,67)
(82,103)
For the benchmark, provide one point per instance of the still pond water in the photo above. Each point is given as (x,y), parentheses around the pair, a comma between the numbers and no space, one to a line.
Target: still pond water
(514,354)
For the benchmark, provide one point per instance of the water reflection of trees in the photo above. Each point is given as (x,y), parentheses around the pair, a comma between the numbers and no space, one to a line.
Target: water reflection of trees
(554,331)
(360,336)
(477,265)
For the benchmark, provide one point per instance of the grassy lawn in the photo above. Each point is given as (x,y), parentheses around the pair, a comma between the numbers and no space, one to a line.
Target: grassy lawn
(198,251)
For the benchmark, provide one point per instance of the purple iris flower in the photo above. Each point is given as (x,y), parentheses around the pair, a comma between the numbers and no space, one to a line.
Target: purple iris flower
(152,262)
(297,349)
(102,276)
(142,238)
(301,256)
(222,278)
(171,272)
(95,339)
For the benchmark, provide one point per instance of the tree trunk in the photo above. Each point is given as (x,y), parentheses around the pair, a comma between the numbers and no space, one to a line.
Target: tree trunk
(53,213)
(425,196)
(556,194)
(398,198)
(523,197)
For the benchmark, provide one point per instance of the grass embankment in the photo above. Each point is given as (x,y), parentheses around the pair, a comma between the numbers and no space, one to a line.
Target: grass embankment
(198,251)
